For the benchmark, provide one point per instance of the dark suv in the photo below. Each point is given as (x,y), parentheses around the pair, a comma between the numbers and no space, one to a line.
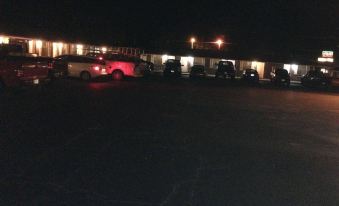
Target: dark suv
(280,77)
(172,68)
(225,69)
(315,78)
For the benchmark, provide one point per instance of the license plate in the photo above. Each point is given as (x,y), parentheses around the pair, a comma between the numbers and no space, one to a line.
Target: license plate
(252,75)
(282,80)
(36,81)
(172,71)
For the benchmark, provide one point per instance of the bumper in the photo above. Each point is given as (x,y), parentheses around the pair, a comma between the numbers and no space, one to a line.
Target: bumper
(34,81)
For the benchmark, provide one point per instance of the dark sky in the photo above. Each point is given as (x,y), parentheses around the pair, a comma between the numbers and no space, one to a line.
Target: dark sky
(149,23)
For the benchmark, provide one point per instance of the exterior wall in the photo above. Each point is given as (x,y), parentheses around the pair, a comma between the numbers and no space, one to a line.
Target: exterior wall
(199,61)
(52,49)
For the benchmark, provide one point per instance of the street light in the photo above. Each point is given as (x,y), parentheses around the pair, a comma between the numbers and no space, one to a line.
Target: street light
(193,40)
(219,42)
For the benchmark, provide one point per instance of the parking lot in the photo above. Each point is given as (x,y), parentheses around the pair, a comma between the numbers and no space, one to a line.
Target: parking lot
(169,142)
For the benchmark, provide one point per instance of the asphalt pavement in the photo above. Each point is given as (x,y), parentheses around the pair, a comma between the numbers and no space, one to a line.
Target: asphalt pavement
(169,142)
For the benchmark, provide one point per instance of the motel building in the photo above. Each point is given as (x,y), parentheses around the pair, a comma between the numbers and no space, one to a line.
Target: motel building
(50,48)
(264,67)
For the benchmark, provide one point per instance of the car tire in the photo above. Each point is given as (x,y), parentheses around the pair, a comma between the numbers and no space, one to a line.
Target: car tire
(85,76)
(288,84)
(117,75)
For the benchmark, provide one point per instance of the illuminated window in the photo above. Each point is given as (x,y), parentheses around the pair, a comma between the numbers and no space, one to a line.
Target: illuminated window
(291,68)
(38,44)
(30,46)
(4,40)
(57,48)
(80,49)
(166,57)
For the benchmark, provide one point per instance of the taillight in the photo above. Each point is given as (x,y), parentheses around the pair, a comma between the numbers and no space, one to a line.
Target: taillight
(96,68)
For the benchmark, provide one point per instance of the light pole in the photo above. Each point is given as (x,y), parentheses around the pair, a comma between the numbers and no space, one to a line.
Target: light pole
(193,40)
(219,42)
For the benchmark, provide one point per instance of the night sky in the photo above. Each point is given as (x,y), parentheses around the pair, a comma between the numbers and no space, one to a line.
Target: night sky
(151,24)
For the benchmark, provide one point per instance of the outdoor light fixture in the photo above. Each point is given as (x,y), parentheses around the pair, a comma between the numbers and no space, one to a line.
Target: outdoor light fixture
(193,40)
(219,42)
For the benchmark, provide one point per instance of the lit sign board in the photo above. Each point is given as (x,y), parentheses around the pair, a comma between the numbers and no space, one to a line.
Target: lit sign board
(327,54)
(322,59)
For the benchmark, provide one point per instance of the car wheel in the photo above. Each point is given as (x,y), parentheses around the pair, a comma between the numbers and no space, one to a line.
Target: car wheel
(85,76)
(288,84)
(117,75)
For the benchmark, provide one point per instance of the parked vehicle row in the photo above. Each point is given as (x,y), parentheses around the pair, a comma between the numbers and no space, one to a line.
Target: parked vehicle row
(17,68)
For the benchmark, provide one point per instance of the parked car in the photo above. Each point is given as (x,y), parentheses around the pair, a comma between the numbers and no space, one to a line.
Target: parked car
(250,75)
(315,78)
(197,71)
(21,70)
(82,67)
(120,66)
(280,77)
(334,75)
(225,69)
(172,68)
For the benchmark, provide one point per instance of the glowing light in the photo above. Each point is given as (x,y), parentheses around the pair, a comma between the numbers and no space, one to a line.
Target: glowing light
(38,44)
(193,40)
(190,60)
(96,68)
(60,45)
(4,40)
(219,42)
(80,48)
(166,57)
(323,59)
(325,71)
(30,46)
(104,49)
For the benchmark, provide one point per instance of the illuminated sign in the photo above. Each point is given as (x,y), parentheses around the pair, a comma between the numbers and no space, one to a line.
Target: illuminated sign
(327,54)
(322,59)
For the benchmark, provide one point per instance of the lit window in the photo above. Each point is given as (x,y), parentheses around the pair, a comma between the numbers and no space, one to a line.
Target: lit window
(80,49)
(4,40)
(38,44)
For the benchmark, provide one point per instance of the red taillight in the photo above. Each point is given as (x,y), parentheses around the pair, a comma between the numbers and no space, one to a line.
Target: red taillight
(96,68)
(100,58)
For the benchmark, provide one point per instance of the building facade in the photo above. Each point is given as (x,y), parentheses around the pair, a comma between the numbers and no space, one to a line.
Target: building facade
(50,48)
(264,68)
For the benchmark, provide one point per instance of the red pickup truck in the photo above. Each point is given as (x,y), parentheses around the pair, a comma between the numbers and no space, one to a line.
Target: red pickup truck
(19,70)
(121,66)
